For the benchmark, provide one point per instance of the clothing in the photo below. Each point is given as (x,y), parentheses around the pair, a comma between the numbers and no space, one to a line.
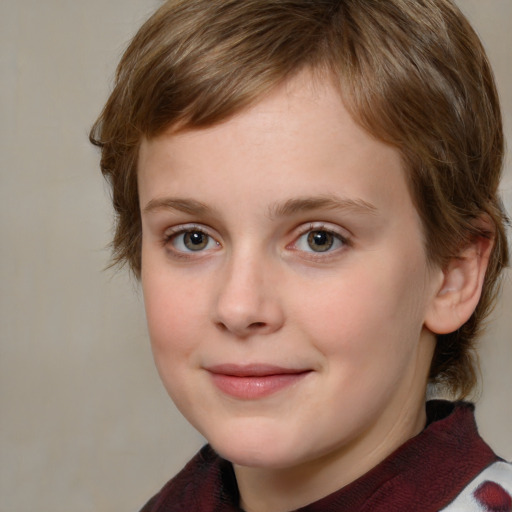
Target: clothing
(446,467)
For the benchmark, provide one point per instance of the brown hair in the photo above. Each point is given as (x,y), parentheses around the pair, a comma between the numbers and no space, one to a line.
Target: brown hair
(412,72)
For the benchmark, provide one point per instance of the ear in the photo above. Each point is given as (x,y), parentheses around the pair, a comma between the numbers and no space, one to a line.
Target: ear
(456,298)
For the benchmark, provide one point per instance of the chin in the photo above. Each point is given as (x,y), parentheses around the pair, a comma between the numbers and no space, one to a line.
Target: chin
(257,448)
(250,458)
(258,458)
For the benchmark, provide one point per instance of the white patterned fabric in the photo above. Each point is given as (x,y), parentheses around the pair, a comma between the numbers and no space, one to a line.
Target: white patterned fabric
(490,491)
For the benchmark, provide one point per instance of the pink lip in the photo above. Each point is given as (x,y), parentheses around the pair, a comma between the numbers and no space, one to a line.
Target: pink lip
(250,382)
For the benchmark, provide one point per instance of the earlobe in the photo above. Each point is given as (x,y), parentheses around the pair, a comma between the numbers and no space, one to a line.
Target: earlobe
(456,298)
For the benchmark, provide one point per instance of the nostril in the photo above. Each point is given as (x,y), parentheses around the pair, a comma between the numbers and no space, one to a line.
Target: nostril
(221,326)
(256,325)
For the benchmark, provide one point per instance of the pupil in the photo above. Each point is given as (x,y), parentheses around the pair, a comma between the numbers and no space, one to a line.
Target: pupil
(320,241)
(195,240)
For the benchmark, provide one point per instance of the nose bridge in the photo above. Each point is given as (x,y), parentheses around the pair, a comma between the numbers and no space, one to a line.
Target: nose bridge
(247,301)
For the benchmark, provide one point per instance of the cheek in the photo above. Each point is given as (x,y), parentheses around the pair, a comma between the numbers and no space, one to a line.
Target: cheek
(172,318)
(375,310)
(173,312)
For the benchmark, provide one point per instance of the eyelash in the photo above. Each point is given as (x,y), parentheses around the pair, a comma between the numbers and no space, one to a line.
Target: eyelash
(336,239)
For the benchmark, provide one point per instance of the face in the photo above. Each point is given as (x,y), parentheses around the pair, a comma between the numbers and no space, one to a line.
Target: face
(285,282)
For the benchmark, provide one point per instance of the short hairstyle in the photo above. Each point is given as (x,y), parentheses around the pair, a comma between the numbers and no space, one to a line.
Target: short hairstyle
(413,73)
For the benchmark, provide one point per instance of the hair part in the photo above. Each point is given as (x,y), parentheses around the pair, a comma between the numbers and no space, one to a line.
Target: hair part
(413,73)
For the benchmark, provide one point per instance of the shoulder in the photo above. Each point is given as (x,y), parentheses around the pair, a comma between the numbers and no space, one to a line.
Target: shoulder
(203,484)
(179,487)
(489,491)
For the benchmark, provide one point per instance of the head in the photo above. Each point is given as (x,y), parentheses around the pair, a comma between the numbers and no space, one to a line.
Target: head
(413,74)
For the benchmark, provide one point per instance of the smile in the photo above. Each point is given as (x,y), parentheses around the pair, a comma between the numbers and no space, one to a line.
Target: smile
(253,382)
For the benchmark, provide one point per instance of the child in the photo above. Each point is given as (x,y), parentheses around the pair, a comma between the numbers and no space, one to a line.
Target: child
(307,191)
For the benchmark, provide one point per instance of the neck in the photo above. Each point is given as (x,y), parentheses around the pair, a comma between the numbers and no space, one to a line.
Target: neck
(285,489)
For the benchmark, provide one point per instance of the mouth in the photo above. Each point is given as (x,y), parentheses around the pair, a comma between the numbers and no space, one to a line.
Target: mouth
(255,381)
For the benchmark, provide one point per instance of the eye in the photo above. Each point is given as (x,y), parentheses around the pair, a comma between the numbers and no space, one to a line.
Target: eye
(319,240)
(192,240)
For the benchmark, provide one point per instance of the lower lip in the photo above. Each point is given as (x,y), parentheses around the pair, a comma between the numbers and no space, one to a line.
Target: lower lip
(253,388)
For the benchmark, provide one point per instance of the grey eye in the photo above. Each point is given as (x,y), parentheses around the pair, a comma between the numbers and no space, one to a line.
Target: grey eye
(195,240)
(320,241)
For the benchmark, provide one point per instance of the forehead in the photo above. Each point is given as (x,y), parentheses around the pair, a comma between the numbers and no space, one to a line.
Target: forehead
(300,140)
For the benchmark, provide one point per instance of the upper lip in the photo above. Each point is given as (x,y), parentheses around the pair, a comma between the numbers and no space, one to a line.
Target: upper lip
(253,370)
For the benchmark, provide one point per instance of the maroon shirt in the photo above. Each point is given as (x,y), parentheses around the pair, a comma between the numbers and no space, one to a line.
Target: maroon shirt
(424,475)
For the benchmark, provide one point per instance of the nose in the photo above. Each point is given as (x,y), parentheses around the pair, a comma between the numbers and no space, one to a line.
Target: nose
(247,301)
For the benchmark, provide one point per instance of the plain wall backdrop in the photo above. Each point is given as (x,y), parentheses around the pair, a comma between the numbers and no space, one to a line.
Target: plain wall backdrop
(84,423)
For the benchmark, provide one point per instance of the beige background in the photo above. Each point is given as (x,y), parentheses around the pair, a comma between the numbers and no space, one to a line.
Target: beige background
(84,423)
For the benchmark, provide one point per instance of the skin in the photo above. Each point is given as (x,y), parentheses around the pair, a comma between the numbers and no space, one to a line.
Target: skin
(353,319)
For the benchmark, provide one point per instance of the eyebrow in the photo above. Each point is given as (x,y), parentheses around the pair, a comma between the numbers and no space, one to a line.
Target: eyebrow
(287,208)
(328,202)
(190,206)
